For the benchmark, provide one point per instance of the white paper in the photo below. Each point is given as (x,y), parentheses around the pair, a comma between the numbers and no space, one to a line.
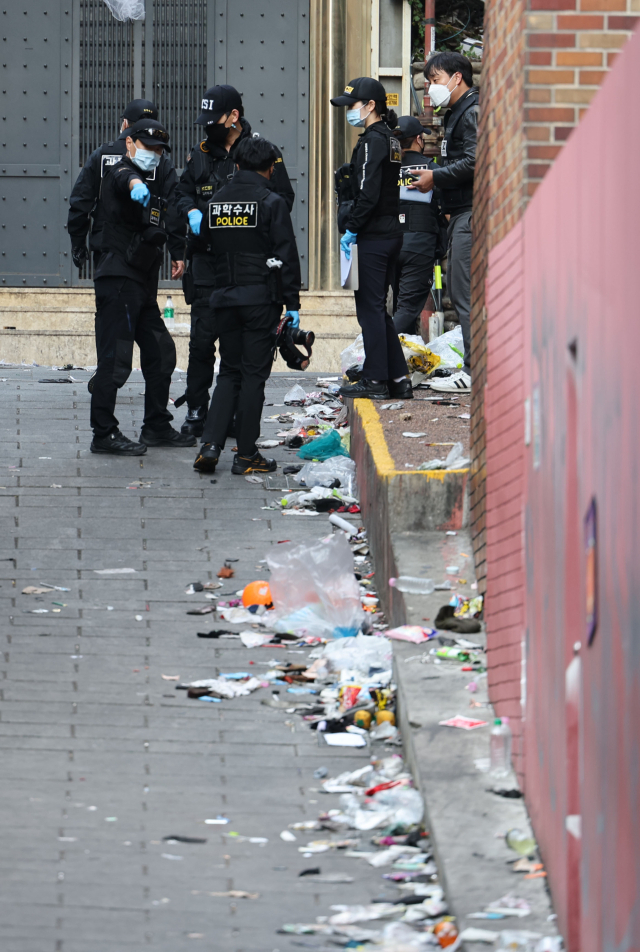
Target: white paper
(345,740)
(349,269)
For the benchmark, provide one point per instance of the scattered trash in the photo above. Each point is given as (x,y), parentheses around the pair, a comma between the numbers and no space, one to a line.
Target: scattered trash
(413,633)
(414,435)
(464,723)
(112,572)
(202,610)
(412,585)
(170,677)
(226,571)
(288,836)
(183,839)
(36,590)
(235,894)
(323,447)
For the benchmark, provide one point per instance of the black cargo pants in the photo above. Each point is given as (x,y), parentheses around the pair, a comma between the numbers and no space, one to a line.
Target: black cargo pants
(126,313)
(202,349)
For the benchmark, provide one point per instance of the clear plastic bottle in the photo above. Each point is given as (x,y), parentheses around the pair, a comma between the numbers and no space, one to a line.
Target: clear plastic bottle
(169,313)
(413,586)
(500,749)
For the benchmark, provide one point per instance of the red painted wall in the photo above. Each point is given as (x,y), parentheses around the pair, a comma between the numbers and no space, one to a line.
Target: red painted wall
(563,303)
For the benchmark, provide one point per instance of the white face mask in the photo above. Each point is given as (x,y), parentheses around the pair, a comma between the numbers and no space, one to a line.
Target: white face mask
(145,159)
(440,95)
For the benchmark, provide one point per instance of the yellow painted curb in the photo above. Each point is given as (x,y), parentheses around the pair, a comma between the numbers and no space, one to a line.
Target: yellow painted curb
(382,458)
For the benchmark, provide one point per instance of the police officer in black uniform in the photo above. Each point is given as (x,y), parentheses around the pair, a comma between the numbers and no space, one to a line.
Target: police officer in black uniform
(210,166)
(134,200)
(256,271)
(84,205)
(372,221)
(421,227)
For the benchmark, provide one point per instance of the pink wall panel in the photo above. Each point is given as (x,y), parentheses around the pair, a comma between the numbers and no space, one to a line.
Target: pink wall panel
(563,319)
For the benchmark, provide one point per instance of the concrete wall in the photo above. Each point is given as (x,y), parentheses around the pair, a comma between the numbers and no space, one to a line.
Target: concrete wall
(561,288)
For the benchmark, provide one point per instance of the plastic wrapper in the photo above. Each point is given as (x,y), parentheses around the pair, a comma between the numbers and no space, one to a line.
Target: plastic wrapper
(419,357)
(349,915)
(317,577)
(324,474)
(449,348)
(295,397)
(365,653)
(323,447)
(353,355)
(126,9)
(518,940)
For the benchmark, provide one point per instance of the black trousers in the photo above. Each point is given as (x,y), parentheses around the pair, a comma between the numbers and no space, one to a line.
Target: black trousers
(377,259)
(414,276)
(127,312)
(202,349)
(247,341)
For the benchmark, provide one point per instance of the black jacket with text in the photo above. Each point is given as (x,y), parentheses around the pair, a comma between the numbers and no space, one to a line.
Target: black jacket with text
(247,225)
(133,236)
(376,163)
(85,208)
(210,167)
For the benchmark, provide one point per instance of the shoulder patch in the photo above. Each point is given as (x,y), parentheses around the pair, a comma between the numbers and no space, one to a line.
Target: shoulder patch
(395,152)
(107,161)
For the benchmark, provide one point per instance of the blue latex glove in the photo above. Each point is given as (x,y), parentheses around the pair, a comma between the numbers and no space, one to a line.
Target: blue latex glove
(140,193)
(296,317)
(346,241)
(195,220)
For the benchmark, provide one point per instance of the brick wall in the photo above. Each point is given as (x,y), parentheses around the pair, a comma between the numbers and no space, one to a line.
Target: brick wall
(543,61)
(499,197)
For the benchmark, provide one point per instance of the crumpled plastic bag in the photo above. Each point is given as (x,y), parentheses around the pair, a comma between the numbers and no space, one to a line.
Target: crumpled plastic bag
(326,472)
(419,357)
(455,460)
(227,689)
(323,447)
(348,915)
(318,577)
(353,355)
(449,348)
(127,9)
(359,654)
(295,397)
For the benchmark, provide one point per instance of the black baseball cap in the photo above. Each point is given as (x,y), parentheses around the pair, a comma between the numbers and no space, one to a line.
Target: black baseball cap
(410,127)
(218,101)
(150,132)
(140,109)
(362,89)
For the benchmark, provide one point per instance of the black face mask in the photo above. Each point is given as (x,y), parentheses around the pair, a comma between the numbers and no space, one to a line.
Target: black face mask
(217,134)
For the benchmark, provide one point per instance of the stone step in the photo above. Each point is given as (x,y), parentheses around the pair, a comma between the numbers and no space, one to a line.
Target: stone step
(54,327)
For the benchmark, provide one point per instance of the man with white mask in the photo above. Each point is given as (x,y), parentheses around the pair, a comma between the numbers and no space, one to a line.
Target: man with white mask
(450,78)
(135,197)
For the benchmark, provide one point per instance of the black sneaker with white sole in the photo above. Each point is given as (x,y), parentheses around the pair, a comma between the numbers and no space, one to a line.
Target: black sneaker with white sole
(117,444)
(168,437)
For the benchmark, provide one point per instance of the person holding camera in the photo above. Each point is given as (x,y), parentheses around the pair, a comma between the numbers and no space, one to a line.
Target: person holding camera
(255,269)
(370,219)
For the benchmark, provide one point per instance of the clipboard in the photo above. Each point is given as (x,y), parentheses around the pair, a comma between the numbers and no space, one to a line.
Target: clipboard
(349,269)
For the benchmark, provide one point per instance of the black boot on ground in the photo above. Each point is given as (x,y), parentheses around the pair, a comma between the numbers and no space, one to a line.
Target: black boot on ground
(243,465)
(207,458)
(194,421)
(402,390)
(366,388)
(117,444)
(168,437)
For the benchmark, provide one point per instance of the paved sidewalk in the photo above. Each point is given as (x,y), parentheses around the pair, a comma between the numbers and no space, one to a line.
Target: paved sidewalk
(101,757)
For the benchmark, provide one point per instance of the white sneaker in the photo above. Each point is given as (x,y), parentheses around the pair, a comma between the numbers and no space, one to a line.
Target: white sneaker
(454,383)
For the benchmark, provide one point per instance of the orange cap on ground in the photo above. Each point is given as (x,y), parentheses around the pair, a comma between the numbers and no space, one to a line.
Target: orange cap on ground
(257,593)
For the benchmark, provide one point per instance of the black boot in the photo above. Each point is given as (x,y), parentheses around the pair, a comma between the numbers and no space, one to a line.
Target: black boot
(243,465)
(207,458)
(168,437)
(194,421)
(366,388)
(117,444)
(401,390)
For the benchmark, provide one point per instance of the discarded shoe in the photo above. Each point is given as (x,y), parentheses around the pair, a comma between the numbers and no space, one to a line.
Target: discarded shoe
(194,421)
(207,458)
(118,444)
(402,390)
(452,384)
(168,437)
(365,388)
(243,465)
